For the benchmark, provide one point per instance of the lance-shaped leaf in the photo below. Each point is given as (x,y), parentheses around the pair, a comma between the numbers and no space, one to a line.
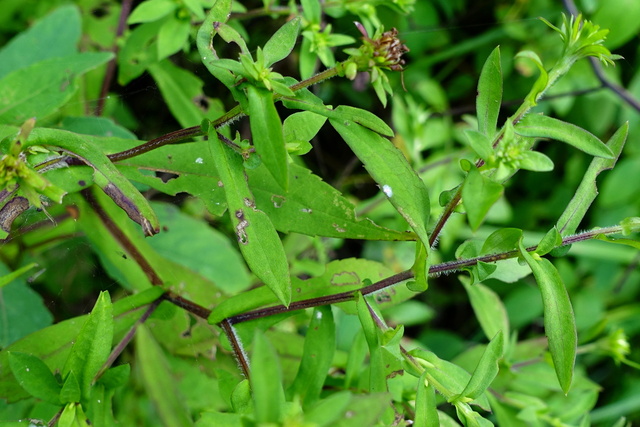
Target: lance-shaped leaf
(258,239)
(539,126)
(266,130)
(559,320)
(587,190)
(486,370)
(390,169)
(489,95)
(266,382)
(106,175)
(282,42)
(319,348)
(93,345)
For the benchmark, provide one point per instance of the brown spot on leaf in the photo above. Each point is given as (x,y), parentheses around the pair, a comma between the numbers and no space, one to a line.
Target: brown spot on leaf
(241,231)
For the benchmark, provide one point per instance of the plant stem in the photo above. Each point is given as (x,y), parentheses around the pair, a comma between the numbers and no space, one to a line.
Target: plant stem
(445,267)
(234,114)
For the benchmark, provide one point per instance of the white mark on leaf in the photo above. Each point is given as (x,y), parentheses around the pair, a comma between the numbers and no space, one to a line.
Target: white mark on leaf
(318,315)
(220,184)
(199,160)
(241,231)
(306,210)
(277,201)
(338,228)
(387,190)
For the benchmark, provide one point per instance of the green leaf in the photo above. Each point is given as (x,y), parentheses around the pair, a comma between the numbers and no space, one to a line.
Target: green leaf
(159,384)
(73,416)
(389,168)
(362,117)
(151,10)
(550,241)
(587,190)
(480,143)
(258,240)
(618,241)
(266,381)
(489,310)
(543,80)
(319,348)
(479,193)
(420,269)
(364,410)
(559,321)
(35,377)
(503,240)
(173,35)
(268,138)
(282,42)
(302,126)
(486,370)
(40,89)
(329,410)
(70,389)
(535,161)
(116,376)
(93,345)
(313,207)
(539,126)
(426,405)
(56,35)
(489,96)
(192,166)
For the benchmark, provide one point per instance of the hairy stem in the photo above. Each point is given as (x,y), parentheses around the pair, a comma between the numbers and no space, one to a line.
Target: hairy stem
(230,116)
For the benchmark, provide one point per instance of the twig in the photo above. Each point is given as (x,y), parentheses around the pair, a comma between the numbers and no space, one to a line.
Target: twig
(111,66)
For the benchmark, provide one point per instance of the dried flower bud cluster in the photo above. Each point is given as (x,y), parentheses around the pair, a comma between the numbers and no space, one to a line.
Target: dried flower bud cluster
(388,50)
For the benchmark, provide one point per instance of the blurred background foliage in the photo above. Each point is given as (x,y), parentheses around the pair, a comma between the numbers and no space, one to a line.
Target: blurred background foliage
(449,41)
